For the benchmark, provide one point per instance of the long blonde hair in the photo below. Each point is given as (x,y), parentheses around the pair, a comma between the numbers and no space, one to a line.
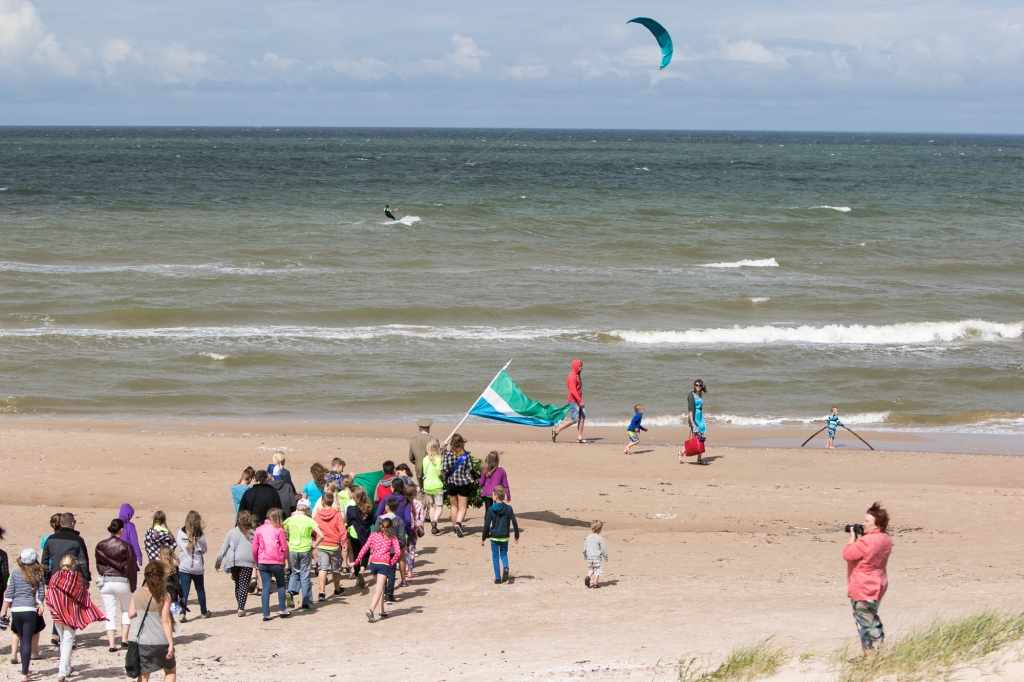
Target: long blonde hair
(434,452)
(194,526)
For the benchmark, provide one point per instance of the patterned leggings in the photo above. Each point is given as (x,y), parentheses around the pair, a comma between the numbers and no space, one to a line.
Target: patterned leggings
(869,625)
(241,576)
(410,559)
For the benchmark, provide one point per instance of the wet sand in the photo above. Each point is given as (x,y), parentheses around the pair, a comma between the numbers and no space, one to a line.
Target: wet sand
(702,558)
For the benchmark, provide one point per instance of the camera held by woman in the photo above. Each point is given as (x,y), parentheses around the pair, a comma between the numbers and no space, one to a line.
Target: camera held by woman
(866,555)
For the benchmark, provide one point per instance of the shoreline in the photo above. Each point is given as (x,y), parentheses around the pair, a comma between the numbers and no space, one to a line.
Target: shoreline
(883,440)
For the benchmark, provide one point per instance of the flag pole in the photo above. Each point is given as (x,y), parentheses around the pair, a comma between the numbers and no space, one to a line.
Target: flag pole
(457,426)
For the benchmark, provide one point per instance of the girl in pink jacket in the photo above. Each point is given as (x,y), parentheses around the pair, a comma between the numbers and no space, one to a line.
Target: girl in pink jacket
(866,581)
(270,551)
(384,553)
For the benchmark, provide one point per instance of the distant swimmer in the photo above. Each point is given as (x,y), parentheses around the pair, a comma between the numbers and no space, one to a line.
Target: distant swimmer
(388,213)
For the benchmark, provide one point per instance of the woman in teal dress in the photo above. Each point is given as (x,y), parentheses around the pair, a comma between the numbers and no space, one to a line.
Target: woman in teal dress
(695,415)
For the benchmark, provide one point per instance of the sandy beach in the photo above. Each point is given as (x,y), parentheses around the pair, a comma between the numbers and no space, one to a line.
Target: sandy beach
(702,558)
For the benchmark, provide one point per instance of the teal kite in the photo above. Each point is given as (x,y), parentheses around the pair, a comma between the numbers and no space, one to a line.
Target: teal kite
(664,39)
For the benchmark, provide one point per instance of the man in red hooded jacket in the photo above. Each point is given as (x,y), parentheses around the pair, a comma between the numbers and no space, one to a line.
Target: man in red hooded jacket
(576,414)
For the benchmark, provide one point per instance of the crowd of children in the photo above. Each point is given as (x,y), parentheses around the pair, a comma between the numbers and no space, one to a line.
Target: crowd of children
(283,541)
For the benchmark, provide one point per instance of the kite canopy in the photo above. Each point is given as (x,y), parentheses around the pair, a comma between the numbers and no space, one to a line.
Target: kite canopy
(664,39)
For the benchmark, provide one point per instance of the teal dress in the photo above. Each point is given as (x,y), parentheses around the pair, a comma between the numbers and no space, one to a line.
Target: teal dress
(696,406)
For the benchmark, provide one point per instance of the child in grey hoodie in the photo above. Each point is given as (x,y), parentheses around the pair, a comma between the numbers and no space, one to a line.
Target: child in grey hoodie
(594,551)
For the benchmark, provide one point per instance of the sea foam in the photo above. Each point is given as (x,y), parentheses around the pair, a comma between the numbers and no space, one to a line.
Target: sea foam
(156,269)
(763,263)
(908,333)
(841,209)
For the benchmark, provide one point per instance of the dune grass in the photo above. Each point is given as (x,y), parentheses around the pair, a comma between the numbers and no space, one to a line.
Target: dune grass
(934,649)
(743,663)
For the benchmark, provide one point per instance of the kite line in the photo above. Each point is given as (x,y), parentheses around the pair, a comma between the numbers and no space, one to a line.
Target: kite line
(457,168)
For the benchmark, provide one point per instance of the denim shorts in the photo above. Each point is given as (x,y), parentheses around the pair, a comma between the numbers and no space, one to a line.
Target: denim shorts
(576,412)
(379,569)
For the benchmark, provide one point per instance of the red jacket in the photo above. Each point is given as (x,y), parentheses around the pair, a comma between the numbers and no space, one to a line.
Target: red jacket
(865,566)
(383,488)
(574,383)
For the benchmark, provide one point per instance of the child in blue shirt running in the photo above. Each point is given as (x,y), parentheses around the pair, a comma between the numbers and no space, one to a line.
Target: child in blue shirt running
(833,422)
(634,429)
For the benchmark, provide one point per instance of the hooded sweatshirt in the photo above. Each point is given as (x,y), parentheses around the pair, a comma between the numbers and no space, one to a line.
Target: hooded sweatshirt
(497,522)
(332,528)
(286,494)
(191,560)
(575,383)
(130,535)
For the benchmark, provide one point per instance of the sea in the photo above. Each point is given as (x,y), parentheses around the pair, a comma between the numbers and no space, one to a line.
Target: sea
(250,273)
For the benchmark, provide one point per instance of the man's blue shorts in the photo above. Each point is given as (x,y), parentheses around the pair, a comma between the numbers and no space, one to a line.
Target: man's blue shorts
(576,412)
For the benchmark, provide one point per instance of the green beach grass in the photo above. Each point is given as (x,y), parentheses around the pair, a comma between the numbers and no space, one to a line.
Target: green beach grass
(743,663)
(935,649)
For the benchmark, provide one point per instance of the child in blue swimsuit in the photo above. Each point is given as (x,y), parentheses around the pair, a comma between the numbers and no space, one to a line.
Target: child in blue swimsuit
(833,423)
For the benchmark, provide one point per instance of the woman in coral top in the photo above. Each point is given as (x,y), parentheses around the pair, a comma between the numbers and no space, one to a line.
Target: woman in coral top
(866,581)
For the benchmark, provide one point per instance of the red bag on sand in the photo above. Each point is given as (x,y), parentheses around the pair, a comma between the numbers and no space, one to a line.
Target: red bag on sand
(694,446)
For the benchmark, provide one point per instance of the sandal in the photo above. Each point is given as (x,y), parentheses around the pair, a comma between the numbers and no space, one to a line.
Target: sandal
(583,441)
(554,435)
(682,457)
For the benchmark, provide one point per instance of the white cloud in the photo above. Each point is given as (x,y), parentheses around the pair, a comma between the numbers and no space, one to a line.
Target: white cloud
(746,50)
(26,45)
(276,62)
(527,72)
(118,51)
(178,64)
(365,69)
(466,55)
(596,64)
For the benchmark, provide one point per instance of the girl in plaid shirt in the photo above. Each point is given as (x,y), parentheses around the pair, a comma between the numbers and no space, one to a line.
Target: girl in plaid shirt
(457,473)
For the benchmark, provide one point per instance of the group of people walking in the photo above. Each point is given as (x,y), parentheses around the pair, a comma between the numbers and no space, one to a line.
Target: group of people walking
(283,540)
(57,580)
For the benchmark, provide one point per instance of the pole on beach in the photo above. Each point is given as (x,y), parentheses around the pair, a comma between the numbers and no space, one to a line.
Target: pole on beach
(858,437)
(474,403)
(814,434)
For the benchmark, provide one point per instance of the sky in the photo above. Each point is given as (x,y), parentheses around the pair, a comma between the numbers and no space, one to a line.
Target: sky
(942,66)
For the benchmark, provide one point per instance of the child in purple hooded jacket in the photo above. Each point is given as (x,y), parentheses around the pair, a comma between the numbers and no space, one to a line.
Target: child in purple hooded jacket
(492,475)
(129,535)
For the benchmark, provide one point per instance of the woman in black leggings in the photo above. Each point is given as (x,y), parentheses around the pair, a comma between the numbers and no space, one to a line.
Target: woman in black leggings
(24,600)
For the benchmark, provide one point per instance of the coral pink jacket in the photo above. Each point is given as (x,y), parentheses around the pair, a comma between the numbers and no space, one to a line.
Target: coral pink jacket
(865,566)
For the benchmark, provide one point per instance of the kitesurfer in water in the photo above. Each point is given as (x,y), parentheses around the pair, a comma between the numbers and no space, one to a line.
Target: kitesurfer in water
(388,213)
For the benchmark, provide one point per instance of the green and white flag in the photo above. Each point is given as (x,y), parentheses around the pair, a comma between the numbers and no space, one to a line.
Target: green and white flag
(506,402)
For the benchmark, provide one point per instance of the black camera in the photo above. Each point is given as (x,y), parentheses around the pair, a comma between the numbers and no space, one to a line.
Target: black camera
(857,529)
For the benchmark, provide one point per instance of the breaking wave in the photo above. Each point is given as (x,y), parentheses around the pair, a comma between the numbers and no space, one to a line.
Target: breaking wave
(763,263)
(836,334)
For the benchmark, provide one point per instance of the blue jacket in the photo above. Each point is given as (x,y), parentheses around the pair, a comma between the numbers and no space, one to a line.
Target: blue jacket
(497,521)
